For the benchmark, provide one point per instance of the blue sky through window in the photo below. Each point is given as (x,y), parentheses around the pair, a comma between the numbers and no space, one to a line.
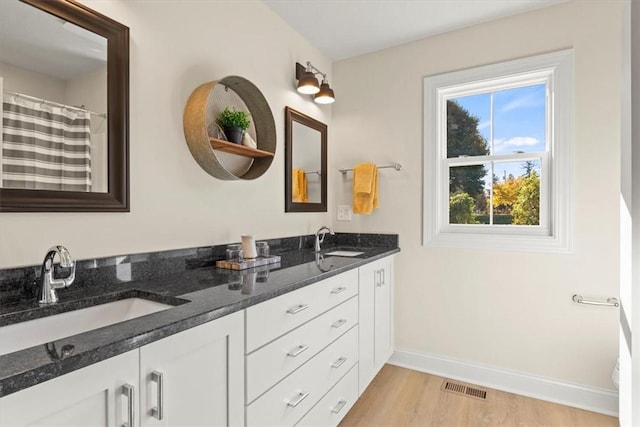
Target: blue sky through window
(518,120)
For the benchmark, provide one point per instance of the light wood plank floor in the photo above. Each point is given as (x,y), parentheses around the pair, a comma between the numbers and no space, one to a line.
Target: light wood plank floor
(402,397)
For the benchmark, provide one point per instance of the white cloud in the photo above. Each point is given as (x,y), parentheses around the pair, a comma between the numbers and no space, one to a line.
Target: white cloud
(518,141)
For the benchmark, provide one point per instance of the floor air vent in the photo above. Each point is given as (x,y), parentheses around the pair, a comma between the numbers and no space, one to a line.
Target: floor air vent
(464,390)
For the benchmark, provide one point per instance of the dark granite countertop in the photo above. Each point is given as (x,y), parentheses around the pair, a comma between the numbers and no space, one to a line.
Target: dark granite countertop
(198,295)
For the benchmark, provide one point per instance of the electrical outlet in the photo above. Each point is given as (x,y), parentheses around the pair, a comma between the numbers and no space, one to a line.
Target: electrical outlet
(344,213)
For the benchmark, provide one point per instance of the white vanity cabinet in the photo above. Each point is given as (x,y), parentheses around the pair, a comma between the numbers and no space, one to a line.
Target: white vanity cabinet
(299,347)
(196,377)
(376,318)
(192,378)
(98,395)
(302,358)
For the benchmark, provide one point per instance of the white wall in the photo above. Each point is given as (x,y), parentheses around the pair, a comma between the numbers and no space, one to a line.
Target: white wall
(175,46)
(90,90)
(507,310)
(31,83)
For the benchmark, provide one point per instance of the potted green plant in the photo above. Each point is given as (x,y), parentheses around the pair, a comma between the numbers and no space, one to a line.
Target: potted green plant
(233,123)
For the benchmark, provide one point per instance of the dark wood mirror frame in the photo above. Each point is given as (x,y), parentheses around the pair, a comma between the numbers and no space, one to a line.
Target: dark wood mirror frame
(116,199)
(291,116)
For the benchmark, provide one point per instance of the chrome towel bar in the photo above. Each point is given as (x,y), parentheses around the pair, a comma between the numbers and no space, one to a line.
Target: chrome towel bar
(611,302)
(396,166)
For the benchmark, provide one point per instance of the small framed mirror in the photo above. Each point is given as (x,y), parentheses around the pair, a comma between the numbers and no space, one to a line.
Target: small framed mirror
(64,80)
(306,163)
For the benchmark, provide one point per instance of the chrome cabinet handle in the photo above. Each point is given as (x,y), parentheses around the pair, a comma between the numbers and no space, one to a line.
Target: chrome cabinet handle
(339,362)
(299,398)
(296,351)
(297,309)
(382,276)
(338,290)
(377,278)
(338,323)
(128,392)
(158,411)
(338,407)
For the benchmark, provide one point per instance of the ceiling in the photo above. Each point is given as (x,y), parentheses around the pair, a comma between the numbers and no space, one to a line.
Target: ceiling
(56,48)
(346,28)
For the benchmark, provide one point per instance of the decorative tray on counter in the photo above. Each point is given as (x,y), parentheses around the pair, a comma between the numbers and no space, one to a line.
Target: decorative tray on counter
(248,263)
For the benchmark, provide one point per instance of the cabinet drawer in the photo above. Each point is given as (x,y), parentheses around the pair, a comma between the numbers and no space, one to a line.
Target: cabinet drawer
(287,402)
(276,317)
(269,364)
(335,404)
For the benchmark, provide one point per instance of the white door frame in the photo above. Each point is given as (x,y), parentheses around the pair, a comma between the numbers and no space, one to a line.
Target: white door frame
(629,411)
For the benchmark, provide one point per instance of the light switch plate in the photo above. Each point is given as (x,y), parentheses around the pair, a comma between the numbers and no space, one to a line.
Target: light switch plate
(344,213)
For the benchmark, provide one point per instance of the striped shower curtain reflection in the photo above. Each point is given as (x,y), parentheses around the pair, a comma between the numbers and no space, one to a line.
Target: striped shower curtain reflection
(45,147)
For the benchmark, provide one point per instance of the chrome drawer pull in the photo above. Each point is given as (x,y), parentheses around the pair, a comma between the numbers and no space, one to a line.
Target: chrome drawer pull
(297,309)
(338,323)
(338,290)
(299,349)
(301,396)
(338,407)
(128,392)
(339,362)
(158,411)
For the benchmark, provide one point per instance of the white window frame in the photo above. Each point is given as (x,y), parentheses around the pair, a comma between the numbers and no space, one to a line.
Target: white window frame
(555,232)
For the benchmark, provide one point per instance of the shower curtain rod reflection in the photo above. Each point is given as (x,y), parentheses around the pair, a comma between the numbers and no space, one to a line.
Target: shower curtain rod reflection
(56,104)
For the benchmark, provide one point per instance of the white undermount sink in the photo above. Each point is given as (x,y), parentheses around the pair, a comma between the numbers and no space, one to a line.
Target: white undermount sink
(27,334)
(344,253)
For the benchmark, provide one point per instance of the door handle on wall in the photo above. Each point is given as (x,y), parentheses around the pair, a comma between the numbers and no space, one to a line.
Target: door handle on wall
(611,302)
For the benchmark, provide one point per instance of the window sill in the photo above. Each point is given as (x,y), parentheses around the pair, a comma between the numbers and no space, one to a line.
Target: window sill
(509,243)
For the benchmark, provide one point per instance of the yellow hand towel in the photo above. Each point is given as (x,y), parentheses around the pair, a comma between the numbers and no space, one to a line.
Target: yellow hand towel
(299,186)
(365,188)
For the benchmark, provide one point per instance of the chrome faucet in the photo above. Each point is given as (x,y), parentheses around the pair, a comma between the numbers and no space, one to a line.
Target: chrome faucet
(49,283)
(321,232)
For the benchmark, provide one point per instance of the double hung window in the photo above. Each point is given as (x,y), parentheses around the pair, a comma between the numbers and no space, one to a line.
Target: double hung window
(497,155)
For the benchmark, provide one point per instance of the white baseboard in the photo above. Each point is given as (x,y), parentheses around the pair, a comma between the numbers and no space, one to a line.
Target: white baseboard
(578,396)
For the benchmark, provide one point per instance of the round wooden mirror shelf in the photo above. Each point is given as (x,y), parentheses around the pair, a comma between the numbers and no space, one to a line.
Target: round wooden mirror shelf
(198,117)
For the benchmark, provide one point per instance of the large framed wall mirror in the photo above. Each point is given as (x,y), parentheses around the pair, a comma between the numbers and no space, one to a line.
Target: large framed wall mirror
(306,163)
(64,75)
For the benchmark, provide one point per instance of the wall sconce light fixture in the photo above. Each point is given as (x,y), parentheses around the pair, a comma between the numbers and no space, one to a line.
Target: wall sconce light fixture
(308,84)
